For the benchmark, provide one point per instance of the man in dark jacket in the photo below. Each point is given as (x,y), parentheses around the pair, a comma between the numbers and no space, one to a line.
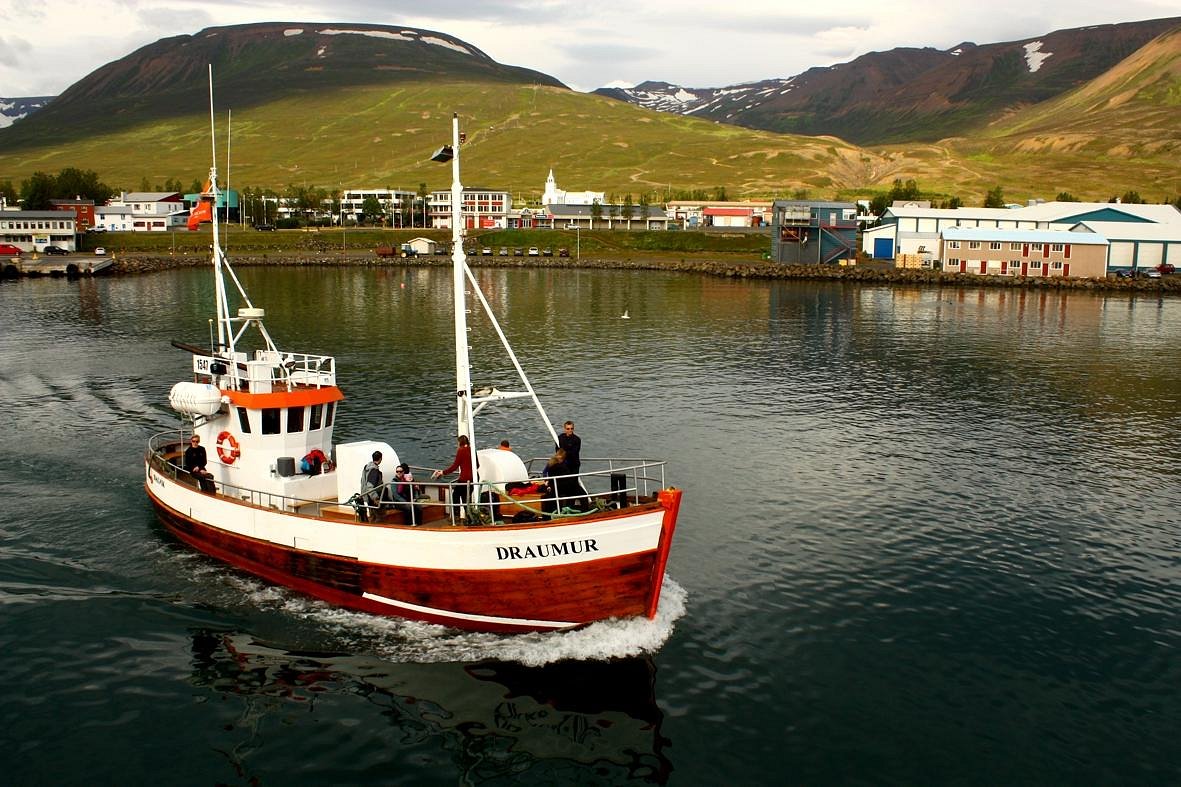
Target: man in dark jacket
(195,461)
(572,445)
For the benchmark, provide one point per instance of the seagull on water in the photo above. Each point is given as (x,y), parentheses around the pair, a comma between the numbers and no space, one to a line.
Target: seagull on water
(624,315)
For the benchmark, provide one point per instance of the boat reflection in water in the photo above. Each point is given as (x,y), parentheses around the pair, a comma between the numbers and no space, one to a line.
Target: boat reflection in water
(496,719)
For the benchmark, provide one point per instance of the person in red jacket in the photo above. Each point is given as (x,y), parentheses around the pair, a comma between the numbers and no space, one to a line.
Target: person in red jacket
(461,492)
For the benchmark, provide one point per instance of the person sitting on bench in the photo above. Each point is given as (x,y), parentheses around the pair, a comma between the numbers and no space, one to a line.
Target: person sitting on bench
(195,461)
(402,493)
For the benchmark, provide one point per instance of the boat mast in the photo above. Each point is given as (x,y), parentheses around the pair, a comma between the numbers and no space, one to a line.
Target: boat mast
(463,375)
(224,330)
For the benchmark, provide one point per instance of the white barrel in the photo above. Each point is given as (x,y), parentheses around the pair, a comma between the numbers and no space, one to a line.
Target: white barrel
(498,467)
(195,399)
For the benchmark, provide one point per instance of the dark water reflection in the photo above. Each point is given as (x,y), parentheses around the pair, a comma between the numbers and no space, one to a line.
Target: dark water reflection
(497,722)
(929,536)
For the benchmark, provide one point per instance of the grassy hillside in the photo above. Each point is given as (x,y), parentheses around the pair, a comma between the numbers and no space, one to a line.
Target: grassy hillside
(1121,128)
(383,136)
(1107,138)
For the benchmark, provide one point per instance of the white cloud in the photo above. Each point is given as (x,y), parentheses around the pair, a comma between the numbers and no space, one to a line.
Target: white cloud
(54,43)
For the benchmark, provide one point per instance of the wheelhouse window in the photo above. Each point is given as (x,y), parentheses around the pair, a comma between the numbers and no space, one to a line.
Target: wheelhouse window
(317,416)
(329,410)
(271,421)
(294,419)
(244,420)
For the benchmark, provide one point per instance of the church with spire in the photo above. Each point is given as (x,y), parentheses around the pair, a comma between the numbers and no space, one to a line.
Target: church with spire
(556,196)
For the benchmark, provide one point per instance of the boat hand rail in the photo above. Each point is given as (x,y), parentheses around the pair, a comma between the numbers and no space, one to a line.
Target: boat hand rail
(299,368)
(616,485)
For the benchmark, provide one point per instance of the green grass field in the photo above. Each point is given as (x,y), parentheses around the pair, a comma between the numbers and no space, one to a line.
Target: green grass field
(612,243)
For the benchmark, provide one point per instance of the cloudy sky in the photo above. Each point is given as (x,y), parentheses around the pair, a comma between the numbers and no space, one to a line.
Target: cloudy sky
(47,45)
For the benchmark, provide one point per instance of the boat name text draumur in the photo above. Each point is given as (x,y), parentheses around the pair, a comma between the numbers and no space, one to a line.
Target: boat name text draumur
(547,550)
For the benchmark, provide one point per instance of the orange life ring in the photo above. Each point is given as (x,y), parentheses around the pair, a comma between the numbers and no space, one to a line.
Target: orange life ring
(229,452)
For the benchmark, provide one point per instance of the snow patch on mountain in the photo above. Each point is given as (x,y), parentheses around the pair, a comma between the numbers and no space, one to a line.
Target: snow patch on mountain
(1034,57)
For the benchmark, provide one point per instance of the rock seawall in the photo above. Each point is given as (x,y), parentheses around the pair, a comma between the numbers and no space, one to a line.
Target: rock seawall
(130,264)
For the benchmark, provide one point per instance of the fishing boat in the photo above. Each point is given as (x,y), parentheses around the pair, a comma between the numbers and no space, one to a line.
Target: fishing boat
(509,552)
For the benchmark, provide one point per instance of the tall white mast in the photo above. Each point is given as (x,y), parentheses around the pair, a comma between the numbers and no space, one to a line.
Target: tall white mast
(224,331)
(463,378)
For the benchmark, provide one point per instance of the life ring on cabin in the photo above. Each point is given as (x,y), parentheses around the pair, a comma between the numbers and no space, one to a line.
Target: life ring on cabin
(227,448)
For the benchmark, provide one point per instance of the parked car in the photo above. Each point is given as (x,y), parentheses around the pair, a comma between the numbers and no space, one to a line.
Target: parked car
(99,251)
(486,251)
(8,250)
(1123,273)
(533,251)
(504,251)
(563,252)
(1167,267)
(1152,273)
(265,227)
(54,250)
(96,229)
(518,252)
(547,252)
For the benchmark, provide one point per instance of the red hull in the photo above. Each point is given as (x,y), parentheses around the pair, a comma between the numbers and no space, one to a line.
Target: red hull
(585,592)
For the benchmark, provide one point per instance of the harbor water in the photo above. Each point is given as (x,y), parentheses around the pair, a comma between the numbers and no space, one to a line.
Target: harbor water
(929,536)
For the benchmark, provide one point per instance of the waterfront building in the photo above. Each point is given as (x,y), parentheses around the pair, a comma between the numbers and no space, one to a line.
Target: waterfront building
(392,201)
(807,232)
(33,230)
(915,230)
(642,217)
(481,209)
(113,219)
(696,214)
(153,211)
(1137,246)
(228,204)
(83,210)
(1029,253)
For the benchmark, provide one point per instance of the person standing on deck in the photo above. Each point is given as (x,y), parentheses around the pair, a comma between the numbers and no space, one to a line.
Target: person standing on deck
(572,445)
(371,481)
(462,463)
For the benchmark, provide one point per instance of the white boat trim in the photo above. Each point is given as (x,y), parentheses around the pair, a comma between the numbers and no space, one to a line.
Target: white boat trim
(550,624)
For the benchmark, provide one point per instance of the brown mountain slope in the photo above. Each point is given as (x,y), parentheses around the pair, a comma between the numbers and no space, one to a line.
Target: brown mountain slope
(908,94)
(254,65)
(1127,120)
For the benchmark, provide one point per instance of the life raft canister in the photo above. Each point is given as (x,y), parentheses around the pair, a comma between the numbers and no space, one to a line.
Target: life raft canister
(227,448)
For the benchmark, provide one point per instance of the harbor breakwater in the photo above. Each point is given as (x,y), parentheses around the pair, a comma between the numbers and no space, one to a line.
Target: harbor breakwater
(748,269)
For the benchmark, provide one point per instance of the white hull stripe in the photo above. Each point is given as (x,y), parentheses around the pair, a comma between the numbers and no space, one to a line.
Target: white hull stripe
(465,616)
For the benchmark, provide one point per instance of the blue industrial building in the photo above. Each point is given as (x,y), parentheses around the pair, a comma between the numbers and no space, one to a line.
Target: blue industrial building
(813,233)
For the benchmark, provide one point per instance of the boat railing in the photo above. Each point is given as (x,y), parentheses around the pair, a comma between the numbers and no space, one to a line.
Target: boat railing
(299,368)
(161,445)
(601,484)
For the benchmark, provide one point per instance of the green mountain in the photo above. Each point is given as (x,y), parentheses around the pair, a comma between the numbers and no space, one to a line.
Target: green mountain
(364,106)
(254,65)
